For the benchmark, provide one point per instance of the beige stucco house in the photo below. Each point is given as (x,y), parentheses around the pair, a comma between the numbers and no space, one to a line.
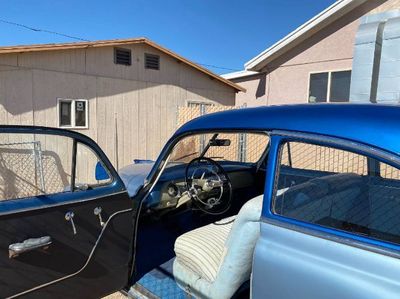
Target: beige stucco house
(322,59)
(122,93)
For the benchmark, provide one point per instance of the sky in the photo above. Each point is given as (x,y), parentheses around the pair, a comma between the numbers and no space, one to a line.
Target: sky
(219,34)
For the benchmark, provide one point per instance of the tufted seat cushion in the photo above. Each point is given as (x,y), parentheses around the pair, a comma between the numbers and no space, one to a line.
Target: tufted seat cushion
(202,249)
(213,261)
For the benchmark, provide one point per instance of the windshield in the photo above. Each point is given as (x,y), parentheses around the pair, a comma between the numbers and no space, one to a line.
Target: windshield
(234,147)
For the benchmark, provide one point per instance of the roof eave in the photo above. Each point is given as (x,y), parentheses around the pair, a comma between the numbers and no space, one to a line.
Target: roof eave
(320,21)
(118,42)
(239,74)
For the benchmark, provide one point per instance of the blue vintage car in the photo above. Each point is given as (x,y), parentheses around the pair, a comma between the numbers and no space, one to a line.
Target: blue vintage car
(274,202)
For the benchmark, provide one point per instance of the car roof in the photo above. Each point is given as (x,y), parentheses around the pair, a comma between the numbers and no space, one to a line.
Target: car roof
(372,124)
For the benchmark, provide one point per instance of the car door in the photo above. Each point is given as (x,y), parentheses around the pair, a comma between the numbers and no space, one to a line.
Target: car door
(330,224)
(65,232)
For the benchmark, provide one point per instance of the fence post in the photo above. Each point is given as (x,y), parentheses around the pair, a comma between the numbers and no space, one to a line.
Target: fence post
(242,146)
(203,111)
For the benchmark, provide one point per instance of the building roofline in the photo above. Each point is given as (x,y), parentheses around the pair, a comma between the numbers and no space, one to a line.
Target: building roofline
(116,42)
(318,22)
(239,74)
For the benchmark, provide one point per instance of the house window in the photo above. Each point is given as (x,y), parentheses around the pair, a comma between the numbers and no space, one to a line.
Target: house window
(122,56)
(73,113)
(151,61)
(329,87)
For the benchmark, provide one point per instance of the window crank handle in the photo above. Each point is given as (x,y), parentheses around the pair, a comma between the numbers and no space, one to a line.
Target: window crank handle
(97,211)
(69,216)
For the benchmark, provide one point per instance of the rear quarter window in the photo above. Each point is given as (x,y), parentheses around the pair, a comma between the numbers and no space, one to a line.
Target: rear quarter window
(339,189)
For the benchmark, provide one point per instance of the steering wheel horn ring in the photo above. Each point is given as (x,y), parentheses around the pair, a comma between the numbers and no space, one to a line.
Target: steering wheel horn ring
(212,191)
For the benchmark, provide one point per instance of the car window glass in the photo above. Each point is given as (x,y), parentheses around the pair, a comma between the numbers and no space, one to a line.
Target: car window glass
(90,171)
(34,164)
(338,189)
(235,147)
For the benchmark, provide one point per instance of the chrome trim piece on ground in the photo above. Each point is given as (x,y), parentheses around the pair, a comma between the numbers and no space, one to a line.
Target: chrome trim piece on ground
(137,291)
(81,269)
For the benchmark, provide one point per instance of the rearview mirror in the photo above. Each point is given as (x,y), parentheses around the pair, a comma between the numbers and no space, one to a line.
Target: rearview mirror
(220,142)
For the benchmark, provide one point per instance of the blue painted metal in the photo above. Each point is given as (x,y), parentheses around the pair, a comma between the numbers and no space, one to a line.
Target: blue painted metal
(376,125)
(57,199)
(101,172)
(142,161)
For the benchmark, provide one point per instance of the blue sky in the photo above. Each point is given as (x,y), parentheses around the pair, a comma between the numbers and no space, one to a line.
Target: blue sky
(224,33)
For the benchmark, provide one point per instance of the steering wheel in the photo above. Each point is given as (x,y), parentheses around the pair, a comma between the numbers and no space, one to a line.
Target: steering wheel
(208,185)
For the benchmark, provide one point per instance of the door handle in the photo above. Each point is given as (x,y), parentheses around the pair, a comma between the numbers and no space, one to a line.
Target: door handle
(17,249)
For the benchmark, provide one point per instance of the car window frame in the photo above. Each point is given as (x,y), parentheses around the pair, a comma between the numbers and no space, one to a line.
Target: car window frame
(279,138)
(75,195)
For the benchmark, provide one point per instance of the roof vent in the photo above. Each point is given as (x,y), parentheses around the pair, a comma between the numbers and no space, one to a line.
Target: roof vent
(152,61)
(122,56)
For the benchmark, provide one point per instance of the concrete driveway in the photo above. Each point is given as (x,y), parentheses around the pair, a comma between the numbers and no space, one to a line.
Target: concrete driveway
(116,295)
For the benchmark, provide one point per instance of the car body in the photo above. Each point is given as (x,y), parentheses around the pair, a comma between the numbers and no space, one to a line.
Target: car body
(309,197)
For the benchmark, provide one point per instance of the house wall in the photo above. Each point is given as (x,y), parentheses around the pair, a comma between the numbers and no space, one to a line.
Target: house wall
(129,106)
(327,50)
(256,91)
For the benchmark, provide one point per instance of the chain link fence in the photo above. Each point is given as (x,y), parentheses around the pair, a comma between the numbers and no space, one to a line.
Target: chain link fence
(321,158)
(26,170)
(333,188)
(244,147)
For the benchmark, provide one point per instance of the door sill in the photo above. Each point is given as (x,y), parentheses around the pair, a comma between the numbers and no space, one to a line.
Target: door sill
(137,291)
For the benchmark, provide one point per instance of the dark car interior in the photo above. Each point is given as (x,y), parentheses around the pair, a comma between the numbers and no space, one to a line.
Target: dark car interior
(216,188)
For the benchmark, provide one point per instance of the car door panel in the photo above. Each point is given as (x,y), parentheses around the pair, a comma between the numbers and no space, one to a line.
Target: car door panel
(68,253)
(291,264)
(317,236)
(90,255)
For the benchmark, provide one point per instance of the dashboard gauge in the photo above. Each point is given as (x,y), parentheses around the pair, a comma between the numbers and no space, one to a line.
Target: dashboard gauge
(172,190)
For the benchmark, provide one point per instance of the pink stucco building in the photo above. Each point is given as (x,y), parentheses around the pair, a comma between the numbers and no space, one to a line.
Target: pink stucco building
(314,63)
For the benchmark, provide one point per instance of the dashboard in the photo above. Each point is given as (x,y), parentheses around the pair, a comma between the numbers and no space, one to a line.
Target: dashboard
(170,190)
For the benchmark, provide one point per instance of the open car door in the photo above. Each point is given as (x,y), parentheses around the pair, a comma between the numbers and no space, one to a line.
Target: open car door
(65,232)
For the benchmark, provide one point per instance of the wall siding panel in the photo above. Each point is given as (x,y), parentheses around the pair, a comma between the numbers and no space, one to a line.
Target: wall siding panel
(132,110)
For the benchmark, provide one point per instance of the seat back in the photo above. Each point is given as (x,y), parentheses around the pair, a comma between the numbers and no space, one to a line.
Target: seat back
(236,264)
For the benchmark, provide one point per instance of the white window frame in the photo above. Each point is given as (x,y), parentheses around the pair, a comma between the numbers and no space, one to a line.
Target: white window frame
(328,90)
(73,103)
(198,102)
